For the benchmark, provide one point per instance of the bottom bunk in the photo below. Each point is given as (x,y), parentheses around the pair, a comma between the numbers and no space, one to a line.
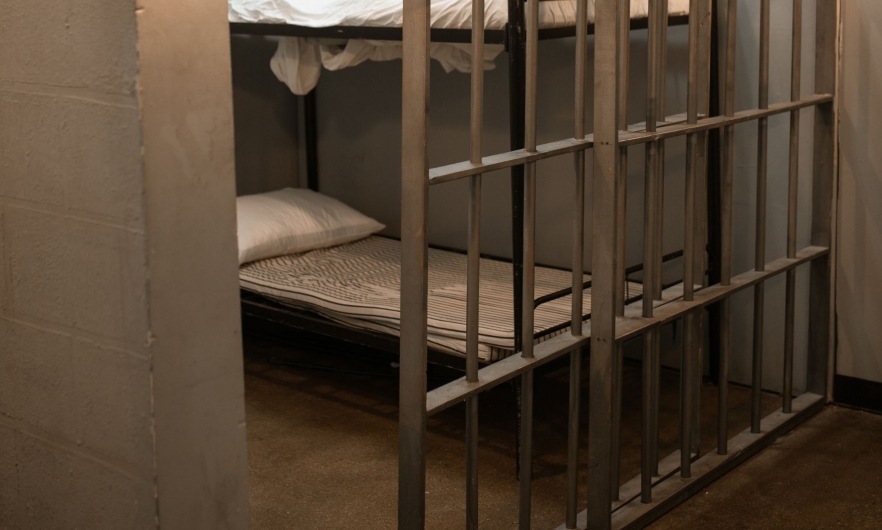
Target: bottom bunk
(356,286)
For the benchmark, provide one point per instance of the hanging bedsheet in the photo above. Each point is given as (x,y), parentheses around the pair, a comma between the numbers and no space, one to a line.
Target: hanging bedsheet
(298,61)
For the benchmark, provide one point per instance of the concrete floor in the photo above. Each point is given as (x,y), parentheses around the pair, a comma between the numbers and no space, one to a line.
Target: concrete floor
(322,438)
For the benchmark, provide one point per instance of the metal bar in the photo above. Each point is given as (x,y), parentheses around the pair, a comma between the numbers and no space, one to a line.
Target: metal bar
(646,471)
(474,262)
(526,452)
(689,360)
(311,125)
(760,252)
(573,438)
(793,191)
(458,170)
(603,339)
(527,333)
(528,311)
(701,213)
(713,191)
(516,72)
(579,162)
(414,268)
(821,352)
(578,265)
(651,203)
(728,158)
(631,326)
(654,433)
(659,232)
(474,246)
(621,218)
(622,199)
(472,423)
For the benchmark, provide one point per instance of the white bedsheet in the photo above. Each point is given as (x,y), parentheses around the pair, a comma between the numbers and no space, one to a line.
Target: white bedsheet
(451,14)
(298,62)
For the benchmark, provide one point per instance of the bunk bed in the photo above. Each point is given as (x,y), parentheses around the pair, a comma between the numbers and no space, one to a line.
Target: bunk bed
(336,22)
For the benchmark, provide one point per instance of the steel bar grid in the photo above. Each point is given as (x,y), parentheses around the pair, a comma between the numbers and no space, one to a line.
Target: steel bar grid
(474,262)
(728,162)
(792,194)
(613,321)
(621,237)
(762,168)
(634,136)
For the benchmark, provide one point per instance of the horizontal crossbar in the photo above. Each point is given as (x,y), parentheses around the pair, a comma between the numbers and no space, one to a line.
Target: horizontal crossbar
(674,126)
(631,325)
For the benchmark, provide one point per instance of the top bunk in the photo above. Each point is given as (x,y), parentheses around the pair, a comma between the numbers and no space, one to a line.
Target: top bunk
(382,19)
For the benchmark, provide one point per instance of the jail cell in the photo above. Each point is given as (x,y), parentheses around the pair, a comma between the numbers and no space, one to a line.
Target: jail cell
(664,481)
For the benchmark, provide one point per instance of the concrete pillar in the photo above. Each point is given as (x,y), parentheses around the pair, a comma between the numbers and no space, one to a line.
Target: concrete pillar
(121,395)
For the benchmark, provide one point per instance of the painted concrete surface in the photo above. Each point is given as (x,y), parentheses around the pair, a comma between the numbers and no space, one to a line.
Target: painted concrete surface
(858,289)
(76,413)
(185,91)
(113,383)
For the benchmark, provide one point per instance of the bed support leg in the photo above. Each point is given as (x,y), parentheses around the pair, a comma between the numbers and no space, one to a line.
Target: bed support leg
(714,228)
(517,101)
(311,127)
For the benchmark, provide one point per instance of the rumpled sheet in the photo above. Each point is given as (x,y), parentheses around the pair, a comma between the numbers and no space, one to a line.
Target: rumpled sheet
(298,62)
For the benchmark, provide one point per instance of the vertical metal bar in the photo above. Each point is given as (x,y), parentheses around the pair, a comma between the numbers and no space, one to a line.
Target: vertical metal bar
(653,199)
(579,188)
(603,319)
(578,265)
(820,354)
(472,463)
(526,462)
(661,114)
(414,267)
(530,177)
(714,181)
(728,158)
(793,190)
(760,262)
(516,68)
(474,262)
(311,128)
(526,456)
(573,438)
(621,216)
(705,48)
(690,360)
(646,471)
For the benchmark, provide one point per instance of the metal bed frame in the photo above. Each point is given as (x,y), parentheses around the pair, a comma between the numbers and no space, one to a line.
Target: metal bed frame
(663,482)
(514,39)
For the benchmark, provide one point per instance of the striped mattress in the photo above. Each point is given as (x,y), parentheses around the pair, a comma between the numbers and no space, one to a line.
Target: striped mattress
(358,285)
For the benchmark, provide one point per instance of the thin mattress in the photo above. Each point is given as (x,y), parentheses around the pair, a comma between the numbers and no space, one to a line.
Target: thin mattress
(358,285)
(448,14)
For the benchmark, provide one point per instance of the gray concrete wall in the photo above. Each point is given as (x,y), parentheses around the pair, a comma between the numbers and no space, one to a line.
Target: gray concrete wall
(359,130)
(120,367)
(858,287)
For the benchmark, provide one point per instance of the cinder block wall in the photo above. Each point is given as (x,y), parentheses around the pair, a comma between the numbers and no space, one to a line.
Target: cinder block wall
(119,406)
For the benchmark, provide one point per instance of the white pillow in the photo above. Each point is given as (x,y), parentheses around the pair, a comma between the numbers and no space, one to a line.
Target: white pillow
(292,220)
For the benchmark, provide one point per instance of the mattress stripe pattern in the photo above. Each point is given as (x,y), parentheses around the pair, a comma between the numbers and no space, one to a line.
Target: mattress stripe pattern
(358,285)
